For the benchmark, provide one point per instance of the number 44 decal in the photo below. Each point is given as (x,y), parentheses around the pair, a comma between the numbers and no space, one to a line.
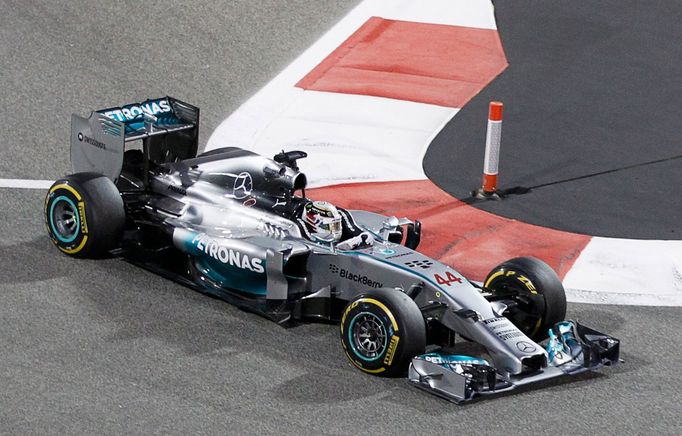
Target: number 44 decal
(449,278)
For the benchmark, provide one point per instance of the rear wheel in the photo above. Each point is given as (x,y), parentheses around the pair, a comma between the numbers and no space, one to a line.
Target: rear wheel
(381,331)
(535,293)
(84,215)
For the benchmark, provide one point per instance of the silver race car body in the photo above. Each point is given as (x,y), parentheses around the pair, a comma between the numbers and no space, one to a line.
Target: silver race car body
(227,223)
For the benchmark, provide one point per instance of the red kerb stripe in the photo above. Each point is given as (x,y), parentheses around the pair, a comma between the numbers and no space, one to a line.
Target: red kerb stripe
(428,63)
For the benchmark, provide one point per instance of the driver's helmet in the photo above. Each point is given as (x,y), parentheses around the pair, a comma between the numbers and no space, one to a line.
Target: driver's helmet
(323,221)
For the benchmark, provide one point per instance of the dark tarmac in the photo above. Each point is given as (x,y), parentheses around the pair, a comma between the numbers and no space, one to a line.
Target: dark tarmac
(593,99)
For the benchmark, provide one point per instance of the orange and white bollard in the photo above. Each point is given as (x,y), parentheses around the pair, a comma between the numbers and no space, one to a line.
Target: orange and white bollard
(492,151)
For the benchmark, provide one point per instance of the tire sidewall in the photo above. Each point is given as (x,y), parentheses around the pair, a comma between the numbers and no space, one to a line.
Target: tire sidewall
(100,214)
(62,191)
(401,320)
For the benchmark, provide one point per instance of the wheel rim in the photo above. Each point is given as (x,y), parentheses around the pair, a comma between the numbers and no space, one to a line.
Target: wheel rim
(64,219)
(367,336)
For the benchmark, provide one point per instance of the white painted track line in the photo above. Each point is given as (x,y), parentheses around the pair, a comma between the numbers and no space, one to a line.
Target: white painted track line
(25,183)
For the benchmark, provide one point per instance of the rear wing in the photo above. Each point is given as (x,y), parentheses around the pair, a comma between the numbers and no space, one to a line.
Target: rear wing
(167,127)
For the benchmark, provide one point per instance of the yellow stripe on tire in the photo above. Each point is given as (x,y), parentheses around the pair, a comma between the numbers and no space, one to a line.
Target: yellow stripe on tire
(76,194)
(77,249)
(370,371)
(383,307)
(68,188)
(492,277)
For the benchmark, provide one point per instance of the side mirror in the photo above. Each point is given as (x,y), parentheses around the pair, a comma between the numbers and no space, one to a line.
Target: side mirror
(390,225)
(289,158)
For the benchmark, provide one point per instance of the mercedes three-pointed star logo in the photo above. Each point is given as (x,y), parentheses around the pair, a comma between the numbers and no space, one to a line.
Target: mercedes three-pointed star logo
(525,347)
(243,185)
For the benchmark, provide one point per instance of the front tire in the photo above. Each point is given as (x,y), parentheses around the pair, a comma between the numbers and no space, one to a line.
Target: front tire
(381,331)
(84,215)
(535,289)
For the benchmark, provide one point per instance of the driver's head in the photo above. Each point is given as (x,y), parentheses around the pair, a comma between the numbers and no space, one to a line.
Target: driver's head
(323,221)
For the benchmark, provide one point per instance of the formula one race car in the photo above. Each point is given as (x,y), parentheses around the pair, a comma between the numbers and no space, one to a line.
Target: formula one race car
(238,226)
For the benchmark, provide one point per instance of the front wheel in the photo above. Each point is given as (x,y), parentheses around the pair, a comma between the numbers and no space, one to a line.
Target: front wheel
(381,331)
(537,297)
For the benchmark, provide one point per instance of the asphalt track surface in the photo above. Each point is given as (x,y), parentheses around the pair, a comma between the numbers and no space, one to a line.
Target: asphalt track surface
(593,98)
(103,347)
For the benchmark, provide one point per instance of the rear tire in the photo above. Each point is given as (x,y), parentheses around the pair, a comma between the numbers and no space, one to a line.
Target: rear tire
(381,331)
(537,291)
(84,215)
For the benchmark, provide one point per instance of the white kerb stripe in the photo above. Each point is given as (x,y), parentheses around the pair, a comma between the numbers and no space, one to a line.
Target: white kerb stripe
(627,271)
(355,138)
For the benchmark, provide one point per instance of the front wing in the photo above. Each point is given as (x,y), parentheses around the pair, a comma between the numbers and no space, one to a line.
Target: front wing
(462,381)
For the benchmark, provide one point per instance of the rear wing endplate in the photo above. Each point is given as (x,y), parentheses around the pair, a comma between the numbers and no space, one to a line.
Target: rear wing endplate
(167,127)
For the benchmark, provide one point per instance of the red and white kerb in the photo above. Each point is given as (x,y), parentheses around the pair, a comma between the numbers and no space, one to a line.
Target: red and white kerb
(492,147)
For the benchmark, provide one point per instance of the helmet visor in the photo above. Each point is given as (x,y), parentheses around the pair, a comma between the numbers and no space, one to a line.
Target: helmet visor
(332,226)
